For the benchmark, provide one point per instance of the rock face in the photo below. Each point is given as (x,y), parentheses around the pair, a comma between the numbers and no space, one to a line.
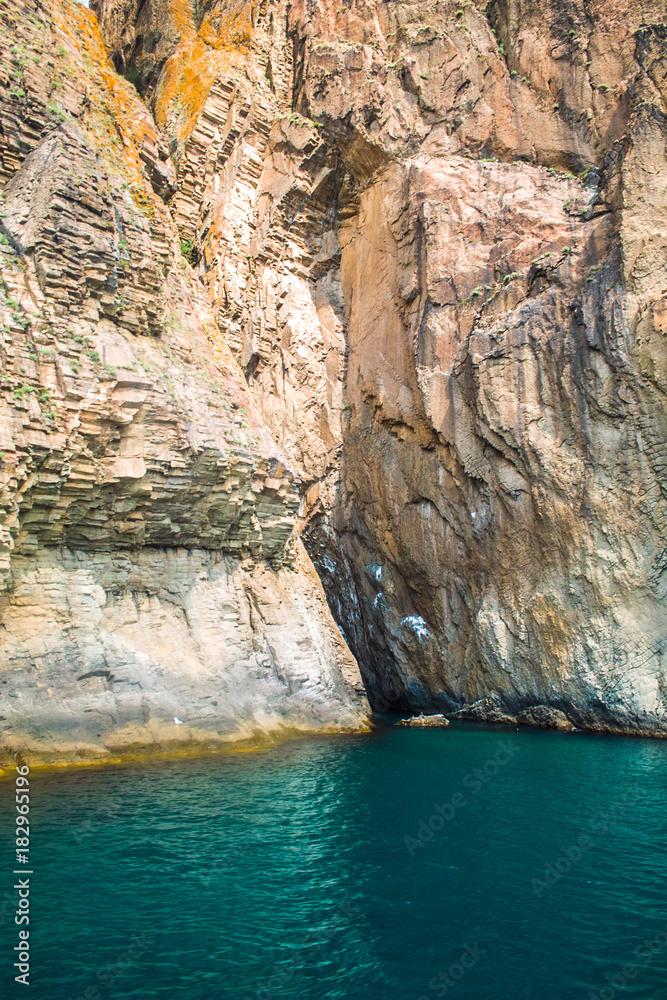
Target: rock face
(391,273)
(501,509)
(149,565)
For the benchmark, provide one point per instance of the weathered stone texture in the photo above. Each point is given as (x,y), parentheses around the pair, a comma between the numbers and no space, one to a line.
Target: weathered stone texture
(135,471)
(500,521)
(112,652)
(432,236)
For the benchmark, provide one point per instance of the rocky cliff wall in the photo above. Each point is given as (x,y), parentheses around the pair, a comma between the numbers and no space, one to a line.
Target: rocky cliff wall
(150,570)
(501,506)
(432,236)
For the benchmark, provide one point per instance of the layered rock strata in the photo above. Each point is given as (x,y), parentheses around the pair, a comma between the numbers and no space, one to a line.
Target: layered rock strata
(154,593)
(432,236)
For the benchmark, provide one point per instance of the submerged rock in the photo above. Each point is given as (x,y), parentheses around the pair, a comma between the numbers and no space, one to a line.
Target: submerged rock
(424,721)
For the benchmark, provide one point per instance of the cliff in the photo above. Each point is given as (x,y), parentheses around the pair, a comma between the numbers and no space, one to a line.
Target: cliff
(155,595)
(390,277)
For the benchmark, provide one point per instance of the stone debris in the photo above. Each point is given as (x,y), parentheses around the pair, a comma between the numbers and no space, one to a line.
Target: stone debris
(424,721)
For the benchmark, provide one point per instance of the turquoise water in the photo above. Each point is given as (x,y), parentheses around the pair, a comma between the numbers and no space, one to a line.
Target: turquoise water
(286,874)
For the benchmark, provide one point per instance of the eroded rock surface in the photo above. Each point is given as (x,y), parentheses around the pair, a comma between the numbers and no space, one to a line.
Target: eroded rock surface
(150,569)
(501,508)
(432,236)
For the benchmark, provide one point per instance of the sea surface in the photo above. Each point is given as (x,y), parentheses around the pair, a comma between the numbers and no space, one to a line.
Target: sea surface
(474,863)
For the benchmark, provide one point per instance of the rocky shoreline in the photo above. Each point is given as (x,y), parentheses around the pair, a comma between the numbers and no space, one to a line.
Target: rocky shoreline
(244,486)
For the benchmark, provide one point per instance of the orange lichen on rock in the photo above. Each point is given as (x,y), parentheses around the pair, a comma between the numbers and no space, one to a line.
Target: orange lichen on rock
(116,120)
(231,32)
(220,45)
(181,14)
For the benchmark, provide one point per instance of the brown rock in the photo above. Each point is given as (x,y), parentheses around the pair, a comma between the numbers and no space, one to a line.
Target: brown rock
(149,562)
(391,275)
